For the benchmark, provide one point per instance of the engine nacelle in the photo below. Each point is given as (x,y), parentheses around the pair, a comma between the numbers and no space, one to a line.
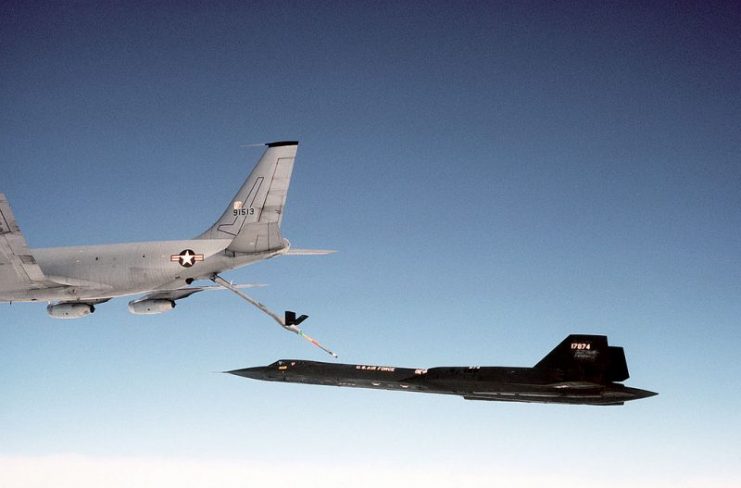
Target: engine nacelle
(151,307)
(71,310)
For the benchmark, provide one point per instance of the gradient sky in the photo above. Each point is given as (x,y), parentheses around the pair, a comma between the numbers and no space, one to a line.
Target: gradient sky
(494,176)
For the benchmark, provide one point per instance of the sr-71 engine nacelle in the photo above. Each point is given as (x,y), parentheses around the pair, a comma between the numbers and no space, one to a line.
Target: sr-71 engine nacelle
(151,307)
(73,310)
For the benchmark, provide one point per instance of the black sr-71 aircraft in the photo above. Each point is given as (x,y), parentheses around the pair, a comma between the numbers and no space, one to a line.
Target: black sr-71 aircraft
(582,370)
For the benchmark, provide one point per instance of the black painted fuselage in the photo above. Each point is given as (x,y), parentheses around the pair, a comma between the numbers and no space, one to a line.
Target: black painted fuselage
(581,370)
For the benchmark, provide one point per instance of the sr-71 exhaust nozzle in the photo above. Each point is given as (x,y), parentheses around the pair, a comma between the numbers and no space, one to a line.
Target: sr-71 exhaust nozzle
(582,370)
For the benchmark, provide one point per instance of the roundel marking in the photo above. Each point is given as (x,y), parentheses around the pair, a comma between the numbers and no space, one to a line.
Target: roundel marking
(186,258)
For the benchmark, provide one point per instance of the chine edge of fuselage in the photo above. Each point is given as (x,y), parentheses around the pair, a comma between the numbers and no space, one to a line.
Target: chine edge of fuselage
(501,384)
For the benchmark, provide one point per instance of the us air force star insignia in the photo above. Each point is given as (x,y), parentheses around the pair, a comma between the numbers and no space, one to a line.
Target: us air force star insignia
(187,258)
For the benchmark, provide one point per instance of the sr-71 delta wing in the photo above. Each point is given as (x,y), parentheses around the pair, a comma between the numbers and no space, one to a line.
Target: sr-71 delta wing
(73,280)
(582,370)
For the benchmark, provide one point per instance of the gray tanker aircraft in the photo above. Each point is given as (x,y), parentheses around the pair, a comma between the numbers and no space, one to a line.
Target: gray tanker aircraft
(582,370)
(73,280)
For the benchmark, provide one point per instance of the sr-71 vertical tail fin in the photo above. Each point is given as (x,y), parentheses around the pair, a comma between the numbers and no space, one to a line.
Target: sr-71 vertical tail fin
(586,358)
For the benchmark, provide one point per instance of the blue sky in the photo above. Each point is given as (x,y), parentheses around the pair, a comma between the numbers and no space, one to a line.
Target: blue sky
(494,176)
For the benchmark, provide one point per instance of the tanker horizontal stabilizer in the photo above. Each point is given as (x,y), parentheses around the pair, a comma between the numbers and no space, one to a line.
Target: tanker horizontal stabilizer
(308,252)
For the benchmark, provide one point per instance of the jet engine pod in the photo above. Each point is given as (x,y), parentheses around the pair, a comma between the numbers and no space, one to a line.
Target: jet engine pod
(151,307)
(69,310)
